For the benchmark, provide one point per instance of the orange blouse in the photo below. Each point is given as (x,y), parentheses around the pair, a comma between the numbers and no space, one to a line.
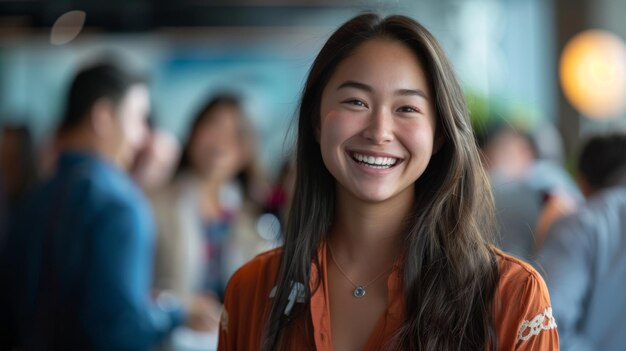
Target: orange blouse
(523,315)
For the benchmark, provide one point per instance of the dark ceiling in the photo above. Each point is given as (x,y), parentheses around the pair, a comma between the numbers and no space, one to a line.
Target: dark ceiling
(142,15)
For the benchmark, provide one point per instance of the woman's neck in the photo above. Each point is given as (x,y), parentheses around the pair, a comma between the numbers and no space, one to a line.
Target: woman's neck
(209,195)
(206,184)
(367,233)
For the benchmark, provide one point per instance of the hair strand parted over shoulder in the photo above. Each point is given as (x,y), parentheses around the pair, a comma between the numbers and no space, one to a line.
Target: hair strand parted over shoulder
(450,271)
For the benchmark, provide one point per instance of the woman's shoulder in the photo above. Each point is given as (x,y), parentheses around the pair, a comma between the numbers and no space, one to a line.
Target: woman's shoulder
(169,200)
(168,192)
(514,271)
(520,283)
(256,277)
(522,306)
(264,260)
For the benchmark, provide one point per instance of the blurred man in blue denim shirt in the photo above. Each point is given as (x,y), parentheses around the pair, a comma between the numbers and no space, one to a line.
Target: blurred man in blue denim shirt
(584,255)
(78,264)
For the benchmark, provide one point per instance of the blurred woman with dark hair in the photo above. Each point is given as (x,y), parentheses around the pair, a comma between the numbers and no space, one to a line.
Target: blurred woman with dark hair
(205,216)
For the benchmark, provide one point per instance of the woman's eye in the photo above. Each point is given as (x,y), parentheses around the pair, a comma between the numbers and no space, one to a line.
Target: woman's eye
(355,102)
(408,109)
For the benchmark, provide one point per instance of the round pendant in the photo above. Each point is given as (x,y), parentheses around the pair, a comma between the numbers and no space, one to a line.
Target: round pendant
(359,292)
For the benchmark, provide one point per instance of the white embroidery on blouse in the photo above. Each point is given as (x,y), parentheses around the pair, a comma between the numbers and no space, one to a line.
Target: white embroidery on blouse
(224,321)
(542,321)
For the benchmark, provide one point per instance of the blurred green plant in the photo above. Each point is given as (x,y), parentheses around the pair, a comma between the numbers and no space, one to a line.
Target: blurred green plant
(488,114)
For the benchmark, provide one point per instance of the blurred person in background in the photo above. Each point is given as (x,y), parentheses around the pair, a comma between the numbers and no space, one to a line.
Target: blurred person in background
(156,160)
(205,217)
(523,182)
(18,171)
(79,257)
(584,255)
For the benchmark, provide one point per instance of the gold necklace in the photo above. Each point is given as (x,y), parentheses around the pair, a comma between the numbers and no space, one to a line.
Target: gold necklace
(359,290)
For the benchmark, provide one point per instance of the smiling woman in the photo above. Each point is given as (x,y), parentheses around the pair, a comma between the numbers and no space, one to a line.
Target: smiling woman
(389,185)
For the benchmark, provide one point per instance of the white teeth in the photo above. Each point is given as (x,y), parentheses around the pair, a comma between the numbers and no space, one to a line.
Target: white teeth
(375,162)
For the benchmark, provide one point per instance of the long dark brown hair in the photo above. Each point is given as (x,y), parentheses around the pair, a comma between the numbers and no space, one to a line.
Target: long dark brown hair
(450,271)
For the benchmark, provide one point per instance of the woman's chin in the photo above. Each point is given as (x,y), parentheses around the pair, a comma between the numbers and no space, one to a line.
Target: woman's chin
(373,197)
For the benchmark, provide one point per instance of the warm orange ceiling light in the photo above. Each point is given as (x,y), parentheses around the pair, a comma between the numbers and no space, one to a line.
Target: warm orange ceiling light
(593,74)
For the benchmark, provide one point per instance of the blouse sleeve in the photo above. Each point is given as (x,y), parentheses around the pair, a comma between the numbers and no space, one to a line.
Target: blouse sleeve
(523,314)
(537,328)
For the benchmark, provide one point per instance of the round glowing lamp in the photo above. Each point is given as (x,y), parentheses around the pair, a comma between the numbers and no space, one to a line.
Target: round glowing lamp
(593,74)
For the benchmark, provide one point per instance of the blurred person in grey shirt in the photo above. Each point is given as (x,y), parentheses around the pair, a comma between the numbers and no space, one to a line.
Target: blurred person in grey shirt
(584,255)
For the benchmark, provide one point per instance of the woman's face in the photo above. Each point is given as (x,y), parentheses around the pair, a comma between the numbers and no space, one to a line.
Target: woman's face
(217,149)
(377,121)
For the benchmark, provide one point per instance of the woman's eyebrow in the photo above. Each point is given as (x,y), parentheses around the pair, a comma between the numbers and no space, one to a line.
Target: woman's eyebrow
(355,85)
(369,89)
(412,92)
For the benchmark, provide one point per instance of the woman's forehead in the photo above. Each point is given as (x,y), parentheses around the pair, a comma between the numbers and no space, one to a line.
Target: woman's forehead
(382,65)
